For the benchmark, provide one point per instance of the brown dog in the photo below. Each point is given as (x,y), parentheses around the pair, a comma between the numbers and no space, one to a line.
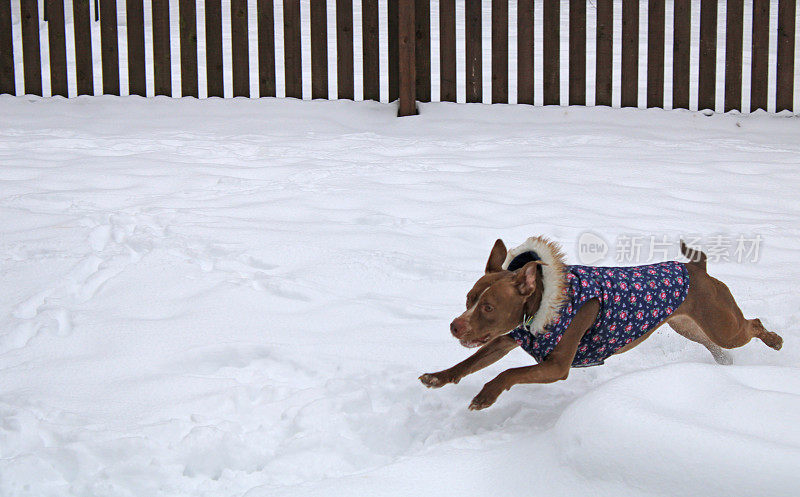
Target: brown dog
(501,300)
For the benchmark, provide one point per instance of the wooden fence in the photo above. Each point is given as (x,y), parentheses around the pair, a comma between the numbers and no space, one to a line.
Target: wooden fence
(409,50)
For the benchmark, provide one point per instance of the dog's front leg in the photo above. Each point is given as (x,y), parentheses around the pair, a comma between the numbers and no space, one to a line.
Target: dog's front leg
(485,356)
(555,366)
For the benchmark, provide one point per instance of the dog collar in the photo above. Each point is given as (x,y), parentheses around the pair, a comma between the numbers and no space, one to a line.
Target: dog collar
(526,322)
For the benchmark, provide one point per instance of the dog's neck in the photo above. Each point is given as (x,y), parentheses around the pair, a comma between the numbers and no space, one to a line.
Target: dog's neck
(534,301)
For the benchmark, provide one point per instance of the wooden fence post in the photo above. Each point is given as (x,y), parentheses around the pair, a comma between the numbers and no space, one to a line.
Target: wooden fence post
(407,74)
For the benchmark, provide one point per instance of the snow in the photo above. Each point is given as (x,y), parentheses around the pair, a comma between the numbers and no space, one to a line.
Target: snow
(237,297)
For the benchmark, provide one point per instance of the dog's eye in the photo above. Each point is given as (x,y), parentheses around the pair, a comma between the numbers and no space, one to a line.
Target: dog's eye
(487,308)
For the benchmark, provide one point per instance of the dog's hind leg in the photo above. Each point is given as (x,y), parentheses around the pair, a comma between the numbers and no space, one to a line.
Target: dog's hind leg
(712,307)
(771,339)
(687,328)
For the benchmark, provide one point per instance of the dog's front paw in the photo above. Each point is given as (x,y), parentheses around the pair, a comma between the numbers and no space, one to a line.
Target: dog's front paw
(485,398)
(435,380)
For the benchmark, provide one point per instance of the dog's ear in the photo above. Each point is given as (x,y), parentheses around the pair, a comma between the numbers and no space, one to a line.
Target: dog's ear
(497,257)
(525,280)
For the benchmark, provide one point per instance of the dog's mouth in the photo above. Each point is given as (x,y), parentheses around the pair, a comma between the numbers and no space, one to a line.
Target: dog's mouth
(471,344)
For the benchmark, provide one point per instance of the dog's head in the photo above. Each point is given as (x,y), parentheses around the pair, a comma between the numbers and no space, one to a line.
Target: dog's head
(498,300)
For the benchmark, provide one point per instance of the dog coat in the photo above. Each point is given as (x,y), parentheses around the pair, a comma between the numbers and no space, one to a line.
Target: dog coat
(633,300)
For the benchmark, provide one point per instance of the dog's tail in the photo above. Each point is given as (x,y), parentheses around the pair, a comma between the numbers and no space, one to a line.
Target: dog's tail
(696,257)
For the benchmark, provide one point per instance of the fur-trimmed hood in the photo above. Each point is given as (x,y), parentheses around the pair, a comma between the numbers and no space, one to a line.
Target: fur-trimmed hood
(553,278)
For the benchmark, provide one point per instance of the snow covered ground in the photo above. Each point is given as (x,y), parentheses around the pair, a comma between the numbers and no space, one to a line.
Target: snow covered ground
(235,298)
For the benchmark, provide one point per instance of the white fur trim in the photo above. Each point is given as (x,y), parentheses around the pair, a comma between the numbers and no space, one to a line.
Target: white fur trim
(553,280)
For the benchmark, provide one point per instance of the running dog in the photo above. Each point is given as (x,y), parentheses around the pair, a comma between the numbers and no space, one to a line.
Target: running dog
(577,316)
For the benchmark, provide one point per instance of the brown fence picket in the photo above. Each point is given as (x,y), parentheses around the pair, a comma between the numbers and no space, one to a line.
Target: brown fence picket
(406,59)
(760,55)
(680,54)
(605,52)
(499,51)
(58,48)
(550,48)
(31,58)
(394,49)
(109,46)
(215,86)
(291,47)
(83,47)
(422,49)
(187,13)
(240,53)
(707,68)
(344,49)
(319,49)
(134,21)
(266,48)
(630,54)
(525,81)
(447,50)
(577,52)
(162,69)
(371,55)
(7,82)
(655,53)
(474,55)
(733,54)
(784,77)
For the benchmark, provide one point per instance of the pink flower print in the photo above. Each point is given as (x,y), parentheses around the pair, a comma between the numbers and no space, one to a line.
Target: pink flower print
(669,310)
(613,327)
(677,293)
(651,271)
(623,315)
(628,340)
(662,295)
(623,285)
(633,299)
(667,282)
(617,298)
(637,285)
(648,297)
(584,348)
(639,315)
(584,283)
(655,313)
(535,345)
(652,283)
(637,274)
(644,327)
(628,328)
(596,338)
(612,340)
(680,280)
(602,349)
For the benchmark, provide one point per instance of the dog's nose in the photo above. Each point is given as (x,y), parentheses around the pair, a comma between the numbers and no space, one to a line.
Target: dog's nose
(455,328)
